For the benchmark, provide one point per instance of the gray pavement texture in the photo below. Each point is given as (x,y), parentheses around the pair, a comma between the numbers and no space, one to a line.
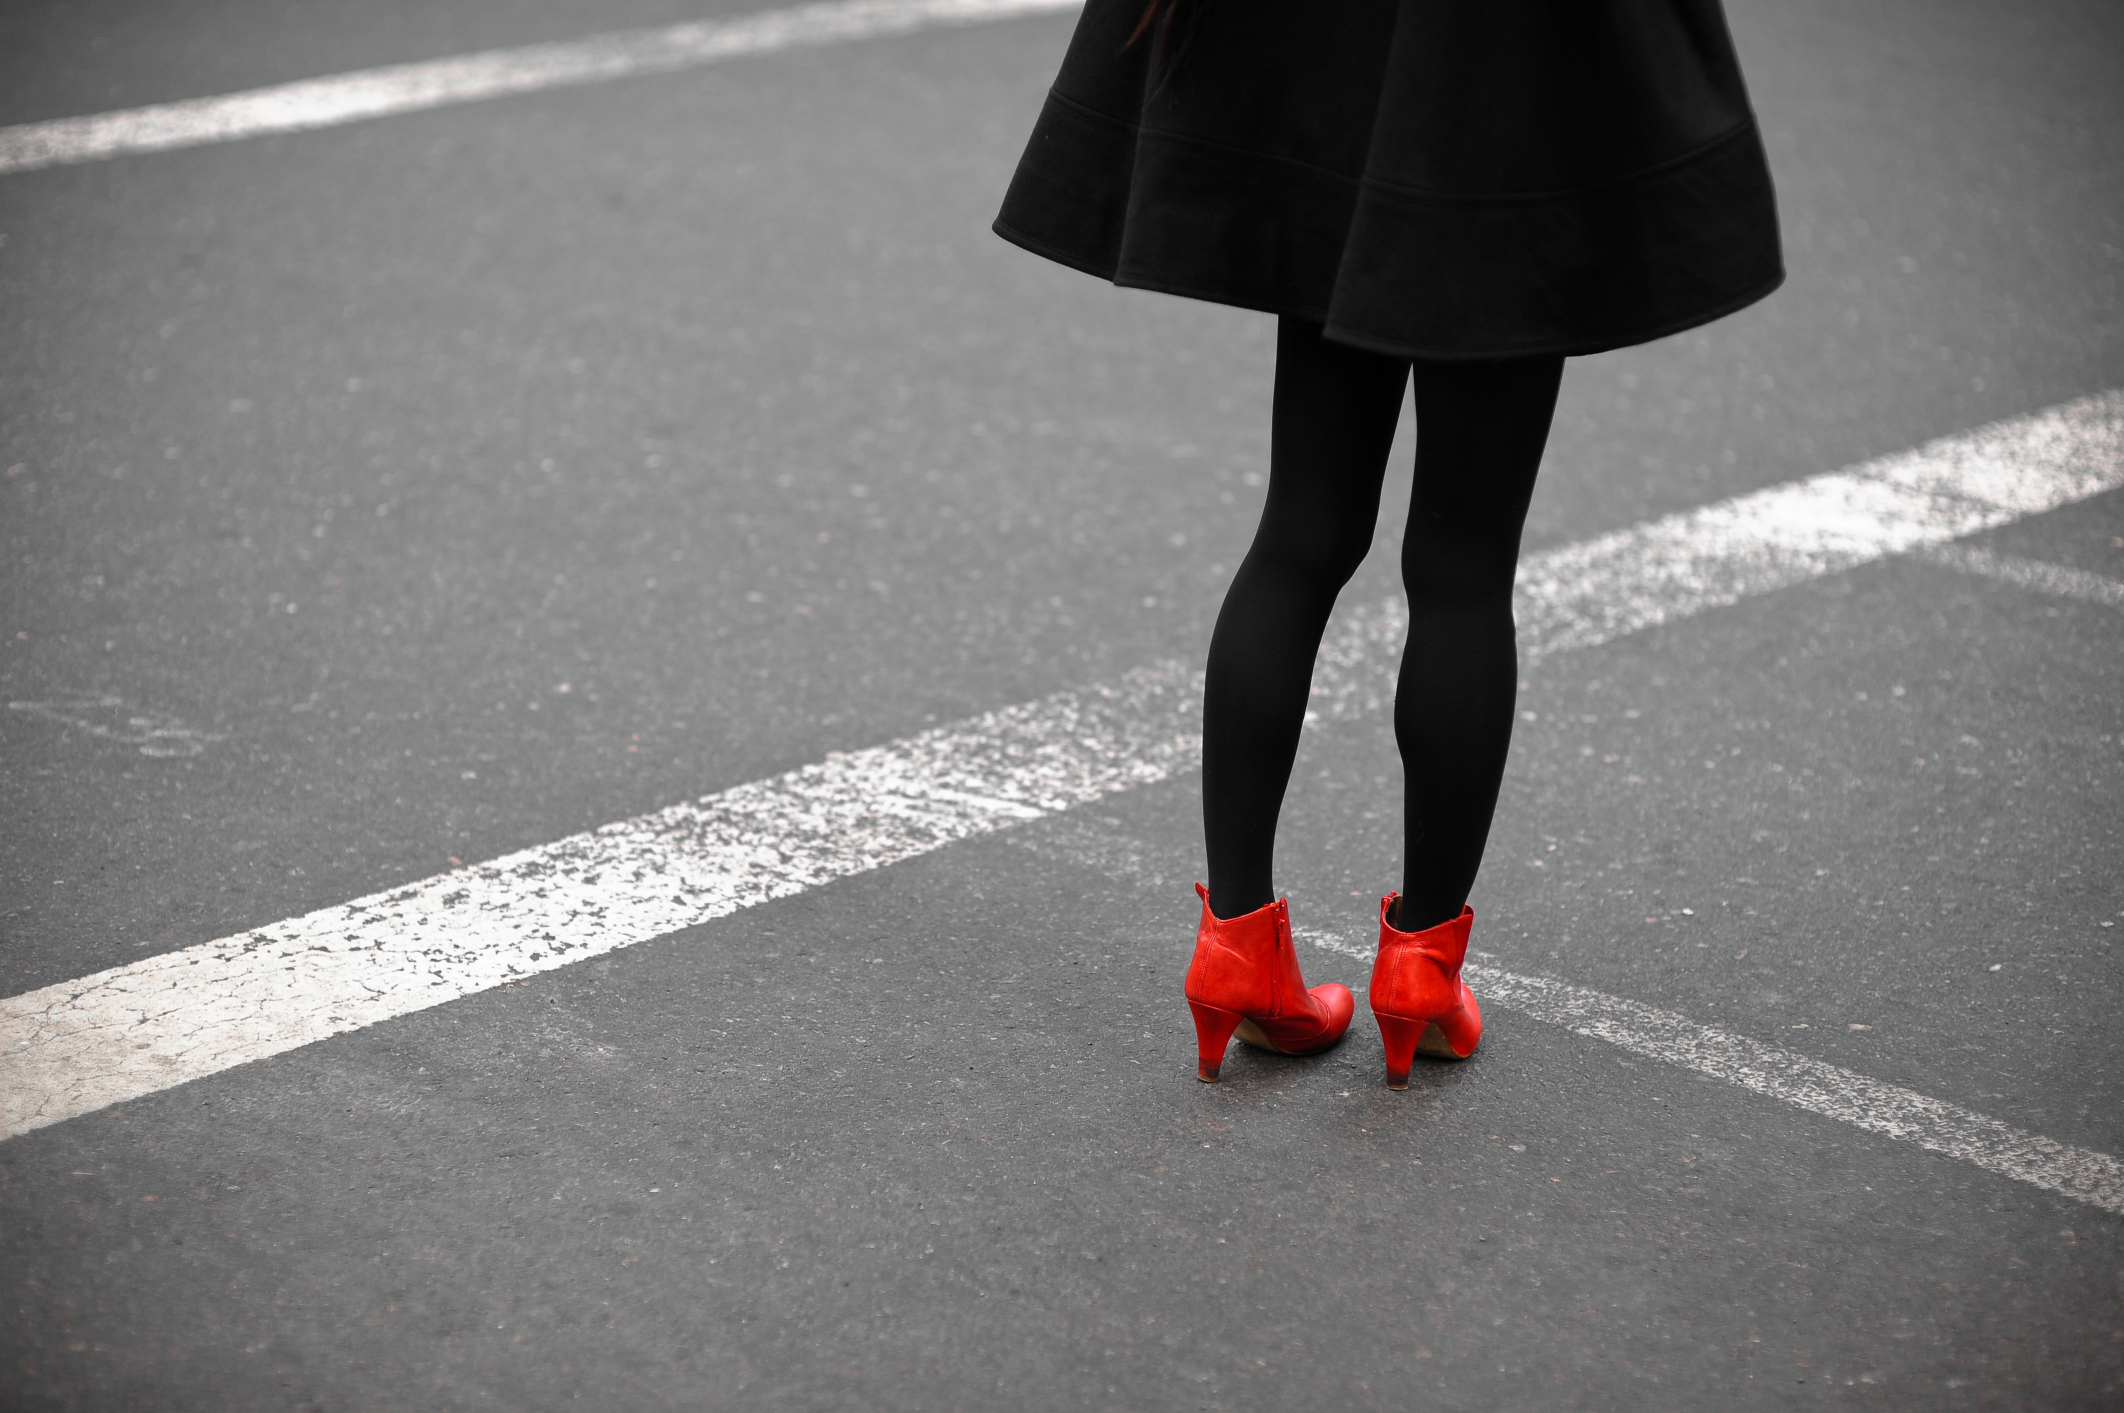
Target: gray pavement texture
(467,478)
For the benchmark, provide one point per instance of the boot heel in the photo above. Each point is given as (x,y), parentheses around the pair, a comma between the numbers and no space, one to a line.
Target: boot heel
(1213,1032)
(1401,1037)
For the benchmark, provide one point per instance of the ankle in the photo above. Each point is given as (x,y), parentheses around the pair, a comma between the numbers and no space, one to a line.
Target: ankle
(1402,915)
(1218,910)
(1223,908)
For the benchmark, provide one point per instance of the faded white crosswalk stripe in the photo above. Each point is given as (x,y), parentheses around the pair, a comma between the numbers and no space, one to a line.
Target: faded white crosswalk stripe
(73,1048)
(467,78)
(1832,1091)
(1587,593)
(2058,580)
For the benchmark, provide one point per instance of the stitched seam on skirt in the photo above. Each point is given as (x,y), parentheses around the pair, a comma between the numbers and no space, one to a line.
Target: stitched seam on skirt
(1129,124)
(1146,133)
(1529,198)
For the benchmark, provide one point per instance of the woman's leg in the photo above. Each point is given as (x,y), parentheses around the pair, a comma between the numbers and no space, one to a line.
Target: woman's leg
(1334,414)
(1480,429)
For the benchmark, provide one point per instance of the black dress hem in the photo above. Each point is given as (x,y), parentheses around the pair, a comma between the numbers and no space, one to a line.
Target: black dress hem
(1452,271)
(1354,339)
(1580,349)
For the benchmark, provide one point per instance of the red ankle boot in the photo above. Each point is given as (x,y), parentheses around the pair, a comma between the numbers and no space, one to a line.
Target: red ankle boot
(1420,1001)
(1245,978)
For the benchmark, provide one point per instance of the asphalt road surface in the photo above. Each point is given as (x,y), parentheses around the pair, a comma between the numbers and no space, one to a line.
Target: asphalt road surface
(389,498)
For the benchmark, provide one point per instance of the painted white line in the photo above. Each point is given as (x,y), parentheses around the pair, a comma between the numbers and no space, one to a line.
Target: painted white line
(76,1047)
(497,73)
(2084,1174)
(2039,575)
(108,718)
(79,1046)
(1580,595)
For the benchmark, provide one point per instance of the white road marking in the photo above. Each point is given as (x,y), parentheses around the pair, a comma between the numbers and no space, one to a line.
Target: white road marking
(79,1046)
(2039,575)
(133,1030)
(1580,595)
(1832,1091)
(467,78)
(107,718)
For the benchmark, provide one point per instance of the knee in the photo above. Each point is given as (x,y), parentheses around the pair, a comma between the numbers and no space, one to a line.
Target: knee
(1443,568)
(1322,552)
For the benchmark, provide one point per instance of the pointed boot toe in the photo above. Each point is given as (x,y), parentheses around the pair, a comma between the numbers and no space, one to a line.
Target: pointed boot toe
(1316,1023)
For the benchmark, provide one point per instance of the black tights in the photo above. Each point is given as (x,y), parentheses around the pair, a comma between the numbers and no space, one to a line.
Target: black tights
(1480,432)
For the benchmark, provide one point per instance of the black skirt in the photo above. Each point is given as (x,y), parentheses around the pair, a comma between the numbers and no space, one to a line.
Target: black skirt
(1446,179)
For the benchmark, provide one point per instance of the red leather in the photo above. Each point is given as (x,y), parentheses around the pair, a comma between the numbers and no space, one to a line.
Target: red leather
(1245,979)
(1417,995)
